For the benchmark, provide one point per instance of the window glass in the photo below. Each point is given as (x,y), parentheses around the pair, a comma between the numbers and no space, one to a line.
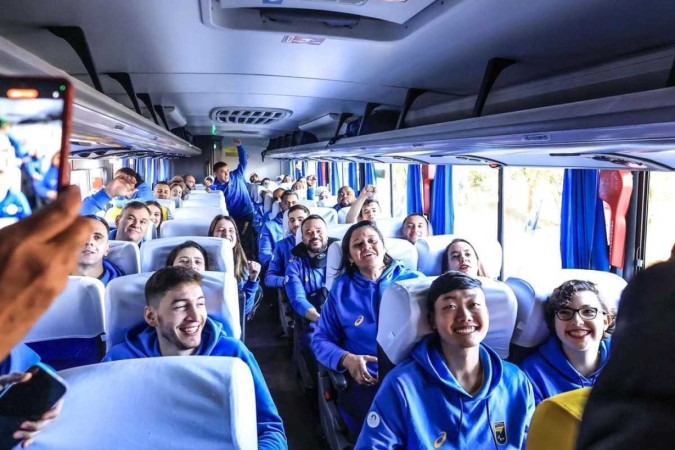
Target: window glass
(475,191)
(660,234)
(532,230)
(383,186)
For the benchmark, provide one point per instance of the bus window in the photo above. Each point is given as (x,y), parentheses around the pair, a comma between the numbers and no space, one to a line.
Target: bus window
(399,189)
(660,234)
(532,229)
(475,191)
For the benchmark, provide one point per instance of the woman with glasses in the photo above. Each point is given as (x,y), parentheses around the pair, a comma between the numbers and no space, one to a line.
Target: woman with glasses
(578,348)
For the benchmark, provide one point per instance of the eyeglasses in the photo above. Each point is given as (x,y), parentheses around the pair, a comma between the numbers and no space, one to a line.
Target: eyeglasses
(586,313)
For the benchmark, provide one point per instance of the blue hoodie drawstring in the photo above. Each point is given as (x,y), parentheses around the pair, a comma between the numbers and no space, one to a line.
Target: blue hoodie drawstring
(461,418)
(492,430)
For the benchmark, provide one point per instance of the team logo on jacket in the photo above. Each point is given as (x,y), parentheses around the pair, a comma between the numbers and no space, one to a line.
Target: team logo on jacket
(500,432)
(373,419)
(358,321)
(321,256)
(440,440)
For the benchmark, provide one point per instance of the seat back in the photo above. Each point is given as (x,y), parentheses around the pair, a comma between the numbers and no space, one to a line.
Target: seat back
(169,204)
(208,200)
(399,249)
(196,212)
(125,255)
(174,402)
(312,204)
(125,303)
(431,252)
(268,203)
(155,252)
(186,227)
(403,323)
(389,227)
(533,290)
(276,209)
(70,333)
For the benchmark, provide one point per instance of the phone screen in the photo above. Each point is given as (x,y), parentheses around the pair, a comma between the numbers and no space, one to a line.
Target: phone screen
(33,144)
(31,399)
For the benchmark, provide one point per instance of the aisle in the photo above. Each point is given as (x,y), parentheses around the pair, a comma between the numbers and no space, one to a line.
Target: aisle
(301,420)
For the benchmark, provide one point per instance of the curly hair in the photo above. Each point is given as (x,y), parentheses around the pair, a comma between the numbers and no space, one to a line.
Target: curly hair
(562,297)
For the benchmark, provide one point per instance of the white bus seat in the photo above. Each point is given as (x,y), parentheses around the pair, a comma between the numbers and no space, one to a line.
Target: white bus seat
(389,227)
(399,249)
(196,212)
(170,205)
(269,202)
(431,252)
(533,291)
(301,193)
(329,215)
(155,252)
(403,323)
(198,226)
(71,332)
(125,255)
(276,209)
(311,204)
(178,202)
(142,403)
(125,302)
(151,232)
(254,192)
(342,214)
(209,201)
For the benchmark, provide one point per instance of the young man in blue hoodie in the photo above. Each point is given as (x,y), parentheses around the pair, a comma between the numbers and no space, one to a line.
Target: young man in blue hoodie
(126,185)
(237,198)
(177,325)
(273,230)
(276,271)
(92,262)
(454,392)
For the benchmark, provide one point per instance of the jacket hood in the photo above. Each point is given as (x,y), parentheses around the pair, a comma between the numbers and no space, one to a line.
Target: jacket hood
(553,354)
(301,250)
(429,356)
(113,269)
(142,339)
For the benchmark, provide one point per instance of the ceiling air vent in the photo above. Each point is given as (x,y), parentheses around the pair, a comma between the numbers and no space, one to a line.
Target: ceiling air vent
(249,116)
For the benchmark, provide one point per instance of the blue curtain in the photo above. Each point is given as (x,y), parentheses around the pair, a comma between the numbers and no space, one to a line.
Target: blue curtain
(304,168)
(583,237)
(415,194)
(335,178)
(128,163)
(353,176)
(369,173)
(146,169)
(442,209)
(320,179)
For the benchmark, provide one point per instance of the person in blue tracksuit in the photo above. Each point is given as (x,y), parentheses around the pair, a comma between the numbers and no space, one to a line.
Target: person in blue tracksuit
(19,360)
(276,271)
(578,349)
(177,325)
(92,262)
(247,272)
(237,198)
(454,392)
(273,230)
(345,336)
(126,186)
(345,198)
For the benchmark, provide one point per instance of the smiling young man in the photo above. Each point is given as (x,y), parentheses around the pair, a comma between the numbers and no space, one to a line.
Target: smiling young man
(92,262)
(132,223)
(454,392)
(177,324)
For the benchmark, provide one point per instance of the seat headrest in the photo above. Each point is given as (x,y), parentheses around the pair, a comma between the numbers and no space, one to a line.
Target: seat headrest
(195,212)
(388,226)
(206,201)
(219,411)
(310,203)
(403,323)
(125,255)
(431,252)
(79,312)
(170,204)
(155,252)
(342,215)
(125,302)
(186,227)
(178,202)
(532,291)
(276,209)
(267,203)
(399,249)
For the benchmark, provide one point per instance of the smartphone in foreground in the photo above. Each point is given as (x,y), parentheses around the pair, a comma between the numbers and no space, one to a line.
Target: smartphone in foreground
(34,138)
(28,400)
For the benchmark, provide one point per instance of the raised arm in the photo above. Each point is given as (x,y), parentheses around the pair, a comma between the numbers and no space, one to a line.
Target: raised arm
(243,158)
(355,210)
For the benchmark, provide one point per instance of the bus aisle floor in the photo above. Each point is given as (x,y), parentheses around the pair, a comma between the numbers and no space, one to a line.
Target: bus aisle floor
(300,416)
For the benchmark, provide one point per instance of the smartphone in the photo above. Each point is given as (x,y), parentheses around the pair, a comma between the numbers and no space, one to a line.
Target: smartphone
(28,400)
(34,141)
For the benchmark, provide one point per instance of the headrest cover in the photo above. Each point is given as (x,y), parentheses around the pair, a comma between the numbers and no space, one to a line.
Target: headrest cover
(155,252)
(403,323)
(79,312)
(431,252)
(125,303)
(144,400)
(532,292)
(125,255)
(186,227)
(196,212)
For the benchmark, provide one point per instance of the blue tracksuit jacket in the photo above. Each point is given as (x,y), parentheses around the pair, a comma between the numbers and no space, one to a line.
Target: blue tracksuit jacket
(142,342)
(551,373)
(421,405)
(272,231)
(110,272)
(99,201)
(237,198)
(304,276)
(277,268)
(19,360)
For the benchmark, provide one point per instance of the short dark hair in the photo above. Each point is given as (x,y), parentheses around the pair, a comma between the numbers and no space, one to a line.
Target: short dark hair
(448,282)
(132,173)
(417,215)
(167,279)
(562,297)
(161,182)
(312,217)
(218,165)
(135,205)
(345,265)
(299,207)
(99,219)
(187,244)
(288,192)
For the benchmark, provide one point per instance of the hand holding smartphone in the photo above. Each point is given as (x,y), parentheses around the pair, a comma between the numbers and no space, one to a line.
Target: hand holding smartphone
(34,138)
(29,401)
